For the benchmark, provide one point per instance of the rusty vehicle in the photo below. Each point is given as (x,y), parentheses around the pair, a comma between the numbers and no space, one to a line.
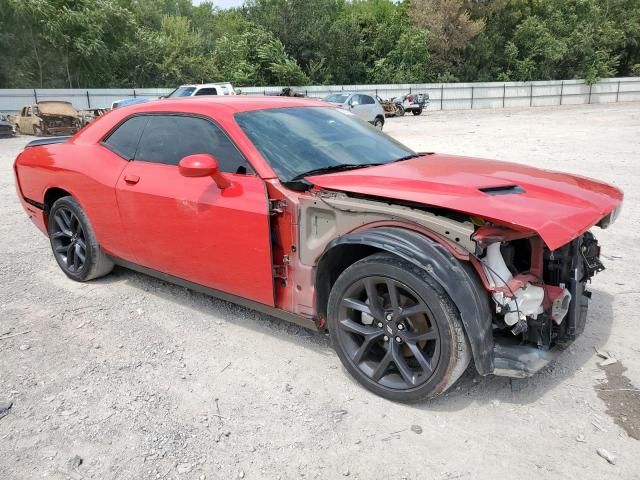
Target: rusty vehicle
(88,115)
(391,107)
(47,118)
(416,264)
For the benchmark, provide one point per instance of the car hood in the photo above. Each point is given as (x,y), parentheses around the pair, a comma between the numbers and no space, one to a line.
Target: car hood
(557,206)
(57,109)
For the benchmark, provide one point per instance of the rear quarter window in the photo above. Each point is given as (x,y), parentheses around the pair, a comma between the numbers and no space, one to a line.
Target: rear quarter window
(125,139)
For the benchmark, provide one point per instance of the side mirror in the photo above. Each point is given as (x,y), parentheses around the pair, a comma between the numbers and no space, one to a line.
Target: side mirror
(203,165)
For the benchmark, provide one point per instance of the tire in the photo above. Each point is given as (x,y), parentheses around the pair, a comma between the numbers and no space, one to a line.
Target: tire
(37,131)
(72,237)
(378,123)
(420,360)
(400,111)
(417,111)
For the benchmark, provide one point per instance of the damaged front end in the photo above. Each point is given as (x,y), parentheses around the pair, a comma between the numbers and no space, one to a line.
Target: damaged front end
(59,124)
(540,296)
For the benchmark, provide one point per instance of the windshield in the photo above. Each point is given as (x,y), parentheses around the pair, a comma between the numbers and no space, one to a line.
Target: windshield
(303,139)
(337,98)
(182,92)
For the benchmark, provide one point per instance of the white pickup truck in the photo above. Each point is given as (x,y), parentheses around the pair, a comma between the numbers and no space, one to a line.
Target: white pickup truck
(202,89)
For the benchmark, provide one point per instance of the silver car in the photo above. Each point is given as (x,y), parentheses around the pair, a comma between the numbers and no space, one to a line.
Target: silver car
(365,106)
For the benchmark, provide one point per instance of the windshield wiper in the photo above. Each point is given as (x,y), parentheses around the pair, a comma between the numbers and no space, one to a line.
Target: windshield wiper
(406,157)
(332,168)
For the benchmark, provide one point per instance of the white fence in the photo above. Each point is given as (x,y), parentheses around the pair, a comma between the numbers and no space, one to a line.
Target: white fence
(444,96)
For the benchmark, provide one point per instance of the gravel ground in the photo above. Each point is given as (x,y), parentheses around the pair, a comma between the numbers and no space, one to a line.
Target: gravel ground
(129,377)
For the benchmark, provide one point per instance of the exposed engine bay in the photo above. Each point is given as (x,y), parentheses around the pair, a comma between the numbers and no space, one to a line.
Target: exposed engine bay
(57,124)
(540,295)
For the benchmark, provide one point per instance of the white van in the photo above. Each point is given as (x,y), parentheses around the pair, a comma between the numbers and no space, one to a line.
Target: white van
(202,89)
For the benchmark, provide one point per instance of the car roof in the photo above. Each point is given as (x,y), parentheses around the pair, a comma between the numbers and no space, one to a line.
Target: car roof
(199,85)
(231,104)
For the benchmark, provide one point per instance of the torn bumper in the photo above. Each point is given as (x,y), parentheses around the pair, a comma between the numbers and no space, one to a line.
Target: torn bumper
(511,359)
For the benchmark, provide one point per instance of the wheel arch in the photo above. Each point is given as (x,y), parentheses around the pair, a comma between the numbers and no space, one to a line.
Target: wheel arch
(458,279)
(51,195)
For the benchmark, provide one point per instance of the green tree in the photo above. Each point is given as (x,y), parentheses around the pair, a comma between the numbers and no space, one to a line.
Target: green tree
(256,57)
(450,27)
(408,62)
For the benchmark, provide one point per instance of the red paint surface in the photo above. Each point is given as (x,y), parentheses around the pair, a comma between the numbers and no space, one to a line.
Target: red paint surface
(149,214)
(190,228)
(557,206)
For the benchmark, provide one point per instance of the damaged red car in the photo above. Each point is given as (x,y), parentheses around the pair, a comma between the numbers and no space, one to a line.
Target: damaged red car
(416,263)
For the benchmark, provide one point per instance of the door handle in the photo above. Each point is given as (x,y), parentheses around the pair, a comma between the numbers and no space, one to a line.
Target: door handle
(132,179)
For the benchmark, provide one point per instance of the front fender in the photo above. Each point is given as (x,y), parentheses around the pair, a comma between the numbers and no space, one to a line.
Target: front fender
(458,279)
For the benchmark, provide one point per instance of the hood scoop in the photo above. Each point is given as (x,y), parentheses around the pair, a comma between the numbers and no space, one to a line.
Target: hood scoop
(502,190)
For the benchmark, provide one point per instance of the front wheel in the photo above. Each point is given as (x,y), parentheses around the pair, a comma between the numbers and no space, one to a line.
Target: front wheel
(74,243)
(396,330)
(378,123)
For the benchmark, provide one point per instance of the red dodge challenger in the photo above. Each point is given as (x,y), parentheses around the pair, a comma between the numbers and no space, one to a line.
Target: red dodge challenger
(416,263)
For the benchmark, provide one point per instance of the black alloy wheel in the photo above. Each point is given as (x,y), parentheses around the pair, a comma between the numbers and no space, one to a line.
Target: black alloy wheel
(388,333)
(68,240)
(74,243)
(395,329)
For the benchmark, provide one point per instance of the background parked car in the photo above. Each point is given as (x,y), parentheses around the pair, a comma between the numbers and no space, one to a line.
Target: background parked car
(89,115)
(203,89)
(287,92)
(47,118)
(130,101)
(414,102)
(391,107)
(365,106)
(6,127)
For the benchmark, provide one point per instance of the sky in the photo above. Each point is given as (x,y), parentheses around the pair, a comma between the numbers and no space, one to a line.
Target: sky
(221,3)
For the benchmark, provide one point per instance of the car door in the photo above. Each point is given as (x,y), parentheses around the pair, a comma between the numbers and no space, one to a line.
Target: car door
(24,122)
(356,107)
(188,227)
(371,107)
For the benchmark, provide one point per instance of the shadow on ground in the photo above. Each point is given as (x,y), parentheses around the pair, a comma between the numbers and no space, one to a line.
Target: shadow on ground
(470,388)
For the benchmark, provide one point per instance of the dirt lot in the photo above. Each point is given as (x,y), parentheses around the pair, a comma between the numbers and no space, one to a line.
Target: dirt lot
(144,380)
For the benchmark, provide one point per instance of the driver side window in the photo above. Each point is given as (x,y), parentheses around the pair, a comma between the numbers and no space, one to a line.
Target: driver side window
(169,138)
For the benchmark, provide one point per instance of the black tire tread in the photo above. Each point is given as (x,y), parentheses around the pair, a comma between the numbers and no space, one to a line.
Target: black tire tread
(461,349)
(98,262)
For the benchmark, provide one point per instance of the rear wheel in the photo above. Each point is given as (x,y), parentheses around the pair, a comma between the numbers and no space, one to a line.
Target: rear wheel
(396,330)
(417,111)
(74,242)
